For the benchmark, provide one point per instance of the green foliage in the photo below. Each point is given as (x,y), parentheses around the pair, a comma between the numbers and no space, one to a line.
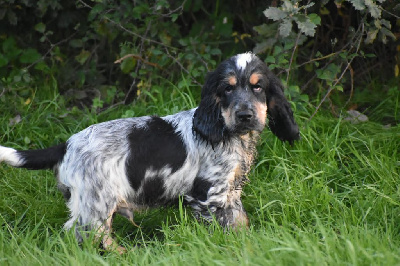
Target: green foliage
(321,46)
(291,12)
(331,65)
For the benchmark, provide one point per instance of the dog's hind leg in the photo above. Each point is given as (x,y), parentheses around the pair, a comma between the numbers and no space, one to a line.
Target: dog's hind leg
(104,233)
(87,215)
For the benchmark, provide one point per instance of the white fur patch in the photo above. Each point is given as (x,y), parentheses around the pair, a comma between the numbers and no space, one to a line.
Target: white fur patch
(10,156)
(243,59)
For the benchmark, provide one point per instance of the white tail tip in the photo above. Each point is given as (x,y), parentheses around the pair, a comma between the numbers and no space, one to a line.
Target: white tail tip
(10,156)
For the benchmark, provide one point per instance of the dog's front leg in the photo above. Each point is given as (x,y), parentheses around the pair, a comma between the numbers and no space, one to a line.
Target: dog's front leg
(232,214)
(226,209)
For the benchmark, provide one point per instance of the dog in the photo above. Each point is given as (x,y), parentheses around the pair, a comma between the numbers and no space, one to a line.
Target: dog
(202,155)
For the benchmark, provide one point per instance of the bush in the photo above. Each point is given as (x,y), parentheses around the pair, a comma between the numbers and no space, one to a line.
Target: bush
(114,51)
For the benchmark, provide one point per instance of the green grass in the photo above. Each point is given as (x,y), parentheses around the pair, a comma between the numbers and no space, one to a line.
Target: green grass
(331,199)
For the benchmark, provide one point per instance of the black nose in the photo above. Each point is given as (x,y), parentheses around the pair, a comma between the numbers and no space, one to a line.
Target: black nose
(244,116)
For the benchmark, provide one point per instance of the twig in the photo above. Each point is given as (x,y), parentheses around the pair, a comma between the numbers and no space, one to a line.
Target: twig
(138,66)
(351,86)
(129,31)
(138,35)
(320,58)
(182,67)
(332,55)
(179,8)
(291,58)
(52,46)
(137,57)
(340,78)
(390,13)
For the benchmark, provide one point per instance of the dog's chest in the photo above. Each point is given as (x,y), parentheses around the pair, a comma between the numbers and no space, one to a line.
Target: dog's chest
(229,162)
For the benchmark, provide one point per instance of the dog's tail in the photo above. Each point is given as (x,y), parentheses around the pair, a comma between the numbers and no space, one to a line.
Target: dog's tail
(33,159)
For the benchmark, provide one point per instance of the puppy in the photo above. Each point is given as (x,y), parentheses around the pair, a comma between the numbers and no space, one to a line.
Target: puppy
(203,154)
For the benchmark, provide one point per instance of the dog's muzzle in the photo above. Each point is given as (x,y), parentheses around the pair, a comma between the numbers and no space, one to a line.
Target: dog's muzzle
(246,120)
(244,116)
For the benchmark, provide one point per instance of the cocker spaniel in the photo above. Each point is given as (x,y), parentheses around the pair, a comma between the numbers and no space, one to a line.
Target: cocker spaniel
(203,154)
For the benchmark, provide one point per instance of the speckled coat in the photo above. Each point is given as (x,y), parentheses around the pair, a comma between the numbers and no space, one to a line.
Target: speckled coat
(203,154)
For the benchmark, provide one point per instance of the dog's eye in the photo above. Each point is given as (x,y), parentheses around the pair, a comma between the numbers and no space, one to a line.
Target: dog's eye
(256,88)
(228,89)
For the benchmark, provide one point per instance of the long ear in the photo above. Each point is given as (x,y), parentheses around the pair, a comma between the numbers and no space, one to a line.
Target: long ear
(281,120)
(207,120)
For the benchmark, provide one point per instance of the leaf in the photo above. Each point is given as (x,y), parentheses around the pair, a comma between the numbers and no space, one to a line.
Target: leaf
(165,37)
(329,73)
(307,27)
(42,66)
(26,77)
(128,65)
(29,56)
(358,4)
(265,45)
(339,88)
(174,17)
(82,57)
(275,13)
(285,27)
(27,140)
(76,43)
(215,51)
(388,33)
(12,18)
(96,10)
(371,36)
(262,29)
(156,51)
(373,9)
(183,42)
(386,23)
(3,60)
(9,47)
(277,50)
(288,6)
(314,18)
(267,30)
(40,27)
(270,59)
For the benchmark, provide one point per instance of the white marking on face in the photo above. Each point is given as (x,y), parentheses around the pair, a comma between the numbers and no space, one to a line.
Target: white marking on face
(243,59)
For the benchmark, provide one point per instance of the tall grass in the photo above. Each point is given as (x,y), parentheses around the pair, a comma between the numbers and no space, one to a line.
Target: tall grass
(331,199)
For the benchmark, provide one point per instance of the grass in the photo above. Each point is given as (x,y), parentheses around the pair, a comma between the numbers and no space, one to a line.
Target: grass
(331,199)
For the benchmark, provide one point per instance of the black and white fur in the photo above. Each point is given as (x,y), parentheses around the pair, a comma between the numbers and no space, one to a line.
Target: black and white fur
(203,154)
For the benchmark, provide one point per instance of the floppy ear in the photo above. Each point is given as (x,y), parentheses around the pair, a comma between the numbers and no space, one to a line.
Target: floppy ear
(280,115)
(207,120)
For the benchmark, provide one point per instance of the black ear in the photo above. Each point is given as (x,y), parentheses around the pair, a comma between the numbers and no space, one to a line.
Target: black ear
(280,115)
(207,120)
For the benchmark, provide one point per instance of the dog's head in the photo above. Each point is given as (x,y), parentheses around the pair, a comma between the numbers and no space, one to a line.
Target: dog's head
(236,98)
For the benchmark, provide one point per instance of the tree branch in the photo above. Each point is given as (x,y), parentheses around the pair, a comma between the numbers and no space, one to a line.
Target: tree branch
(341,76)
(118,61)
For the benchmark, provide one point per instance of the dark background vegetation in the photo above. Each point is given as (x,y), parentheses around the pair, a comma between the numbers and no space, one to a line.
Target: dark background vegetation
(339,54)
